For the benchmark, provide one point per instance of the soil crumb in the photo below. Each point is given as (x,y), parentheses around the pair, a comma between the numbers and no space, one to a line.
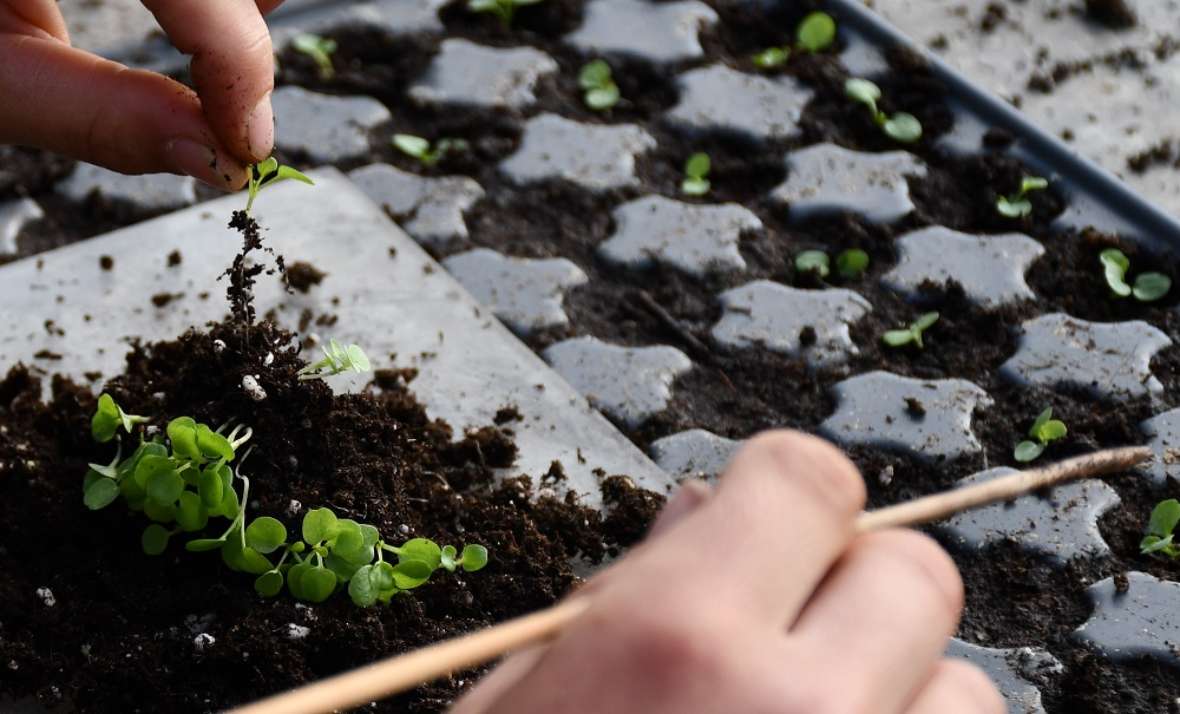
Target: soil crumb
(302,276)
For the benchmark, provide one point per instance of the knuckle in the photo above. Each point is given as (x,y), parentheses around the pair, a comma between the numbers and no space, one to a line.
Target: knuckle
(665,650)
(929,566)
(813,462)
(975,687)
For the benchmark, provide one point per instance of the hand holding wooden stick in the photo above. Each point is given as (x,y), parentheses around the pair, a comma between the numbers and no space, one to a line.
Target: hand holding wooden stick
(399,673)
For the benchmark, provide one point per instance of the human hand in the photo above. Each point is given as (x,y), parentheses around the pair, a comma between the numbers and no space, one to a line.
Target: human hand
(758,598)
(60,98)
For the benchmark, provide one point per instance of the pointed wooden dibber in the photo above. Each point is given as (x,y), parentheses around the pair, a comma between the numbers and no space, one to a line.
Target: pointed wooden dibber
(397,674)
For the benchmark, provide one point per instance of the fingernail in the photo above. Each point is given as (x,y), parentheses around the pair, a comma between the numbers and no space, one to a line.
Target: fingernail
(687,499)
(195,159)
(260,129)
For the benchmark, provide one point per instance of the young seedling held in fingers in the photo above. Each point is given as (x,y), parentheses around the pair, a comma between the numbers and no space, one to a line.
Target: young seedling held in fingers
(1148,287)
(696,172)
(337,360)
(503,9)
(600,91)
(912,333)
(816,33)
(1044,431)
(267,173)
(1017,205)
(901,126)
(319,49)
(421,149)
(1160,538)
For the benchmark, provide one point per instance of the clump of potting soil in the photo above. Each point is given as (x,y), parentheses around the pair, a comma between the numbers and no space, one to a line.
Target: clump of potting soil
(1115,14)
(243,274)
(302,276)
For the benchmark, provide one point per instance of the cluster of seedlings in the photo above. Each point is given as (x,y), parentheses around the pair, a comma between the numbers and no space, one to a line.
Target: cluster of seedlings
(696,175)
(1148,287)
(1045,429)
(1017,205)
(319,49)
(598,85)
(184,481)
(912,333)
(851,264)
(902,127)
(426,153)
(1161,530)
(503,9)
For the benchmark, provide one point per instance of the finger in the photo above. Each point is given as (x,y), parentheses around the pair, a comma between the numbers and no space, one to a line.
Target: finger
(960,688)
(232,68)
(883,617)
(66,100)
(781,515)
(266,6)
(492,687)
(38,18)
(688,498)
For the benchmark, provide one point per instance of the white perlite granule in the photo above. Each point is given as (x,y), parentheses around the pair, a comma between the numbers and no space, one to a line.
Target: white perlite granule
(203,641)
(297,632)
(46,596)
(252,388)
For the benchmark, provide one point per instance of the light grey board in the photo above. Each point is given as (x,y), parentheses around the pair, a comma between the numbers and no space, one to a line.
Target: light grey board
(404,304)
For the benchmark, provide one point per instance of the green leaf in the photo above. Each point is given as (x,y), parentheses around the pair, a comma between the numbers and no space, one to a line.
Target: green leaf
(164,487)
(159,512)
(903,127)
(246,560)
(863,91)
(1028,450)
(813,261)
(370,534)
(1051,431)
(594,75)
(422,549)
(448,557)
(319,525)
(1018,208)
(772,57)
(817,32)
(852,263)
(1042,419)
(1115,264)
(1164,518)
(1150,287)
(267,167)
(155,539)
(202,545)
(191,515)
(409,574)
(106,419)
(182,432)
(475,557)
(230,506)
(603,98)
(100,493)
(925,321)
(898,338)
(348,538)
(414,146)
(343,567)
(698,165)
(286,172)
(358,361)
(695,187)
(382,577)
(213,445)
(265,534)
(318,584)
(269,583)
(1033,183)
(1154,544)
(361,589)
(211,487)
(295,580)
(151,465)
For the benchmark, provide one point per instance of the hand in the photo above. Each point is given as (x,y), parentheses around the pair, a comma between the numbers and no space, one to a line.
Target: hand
(758,598)
(63,99)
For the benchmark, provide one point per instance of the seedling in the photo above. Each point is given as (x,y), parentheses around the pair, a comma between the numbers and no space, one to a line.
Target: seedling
(601,92)
(901,126)
(1160,530)
(815,262)
(1148,287)
(1044,430)
(696,172)
(850,264)
(1017,205)
(815,34)
(185,482)
(913,333)
(319,49)
(503,9)
(337,359)
(109,417)
(421,149)
(267,173)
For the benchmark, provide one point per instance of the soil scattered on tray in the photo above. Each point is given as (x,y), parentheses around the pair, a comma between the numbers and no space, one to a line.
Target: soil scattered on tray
(302,276)
(375,457)
(1115,14)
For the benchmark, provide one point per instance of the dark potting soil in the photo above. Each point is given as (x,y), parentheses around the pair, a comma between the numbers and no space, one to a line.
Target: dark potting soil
(1014,599)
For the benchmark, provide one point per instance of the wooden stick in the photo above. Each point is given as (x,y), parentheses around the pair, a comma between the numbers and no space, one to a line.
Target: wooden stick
(399,673)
